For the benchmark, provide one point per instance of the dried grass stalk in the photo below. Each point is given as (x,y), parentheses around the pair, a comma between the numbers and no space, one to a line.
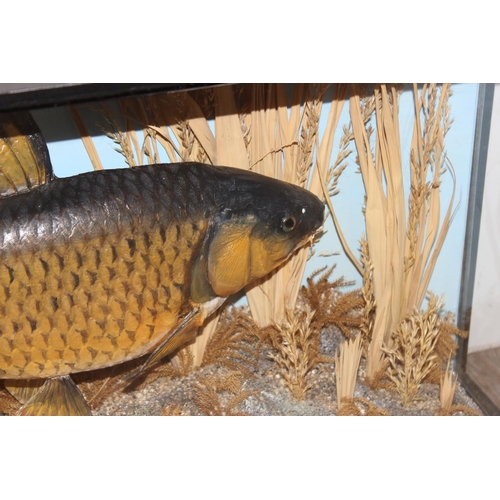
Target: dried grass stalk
(86,139)
(282,143)
(412,355)
(295,351)
(368,294)
(120,135)
(447,387)
(459,410)
(403,252)
(446,345)
(346,370)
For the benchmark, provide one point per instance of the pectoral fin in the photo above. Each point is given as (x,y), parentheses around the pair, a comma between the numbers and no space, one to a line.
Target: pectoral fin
(56,397)
(183,333)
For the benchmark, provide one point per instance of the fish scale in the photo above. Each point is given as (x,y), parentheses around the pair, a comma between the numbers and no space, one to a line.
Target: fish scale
(95,302)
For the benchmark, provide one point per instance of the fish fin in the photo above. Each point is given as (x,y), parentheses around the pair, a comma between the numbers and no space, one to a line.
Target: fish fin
(201,289)
(184,332)
(229,258)
(23,390)
(57,397)
(24,157)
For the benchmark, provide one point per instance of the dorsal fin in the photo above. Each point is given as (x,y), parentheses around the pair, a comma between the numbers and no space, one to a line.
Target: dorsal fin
(24,157)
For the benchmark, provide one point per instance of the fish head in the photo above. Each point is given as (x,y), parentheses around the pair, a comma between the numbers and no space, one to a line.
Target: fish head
(260,223)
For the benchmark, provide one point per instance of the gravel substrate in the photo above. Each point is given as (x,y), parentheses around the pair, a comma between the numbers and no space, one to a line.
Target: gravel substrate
(268,394)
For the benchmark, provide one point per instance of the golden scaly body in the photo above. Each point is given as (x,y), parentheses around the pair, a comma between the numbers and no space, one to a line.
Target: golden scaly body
(95,269)
(94,303)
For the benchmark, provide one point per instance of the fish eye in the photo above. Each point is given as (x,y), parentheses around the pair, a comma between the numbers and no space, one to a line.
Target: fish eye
(227,213)
(288,223)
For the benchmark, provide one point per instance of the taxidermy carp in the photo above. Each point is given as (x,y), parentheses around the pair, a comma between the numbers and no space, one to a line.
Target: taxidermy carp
(110,265)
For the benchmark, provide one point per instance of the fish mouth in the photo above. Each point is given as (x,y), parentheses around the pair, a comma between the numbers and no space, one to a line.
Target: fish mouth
(309,239)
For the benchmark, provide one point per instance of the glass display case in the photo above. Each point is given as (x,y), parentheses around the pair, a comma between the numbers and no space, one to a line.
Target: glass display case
(478,360)
(475,244)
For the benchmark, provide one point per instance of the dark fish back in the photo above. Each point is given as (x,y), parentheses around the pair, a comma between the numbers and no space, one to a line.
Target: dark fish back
(84,206)
(95,268)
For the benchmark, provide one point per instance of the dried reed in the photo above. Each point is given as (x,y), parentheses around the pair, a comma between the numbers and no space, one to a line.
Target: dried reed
(346,370)
(402,251)
(448,384)
(447,388)
(283,142)
(86,139)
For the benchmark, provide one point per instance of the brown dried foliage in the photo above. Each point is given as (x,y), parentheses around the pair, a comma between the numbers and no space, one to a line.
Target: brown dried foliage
(183,368)
(359,407)
(446,347)
(220,395)
(97,385)
(297,340)
(330,306)
(172,410)
(456,410)
(233,345)
(9,405)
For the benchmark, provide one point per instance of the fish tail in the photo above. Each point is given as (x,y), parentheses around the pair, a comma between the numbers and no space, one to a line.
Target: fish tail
(24,156)
(56,397)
